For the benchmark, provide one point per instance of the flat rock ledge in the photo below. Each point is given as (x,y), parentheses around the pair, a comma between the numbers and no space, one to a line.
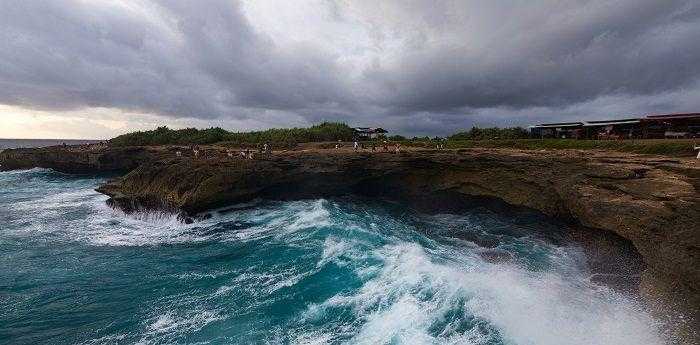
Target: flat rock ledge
(654,202)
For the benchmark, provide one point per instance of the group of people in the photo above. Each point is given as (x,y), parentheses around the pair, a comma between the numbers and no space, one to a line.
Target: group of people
(385,146)
(245,153)
(86,147)
(265,149)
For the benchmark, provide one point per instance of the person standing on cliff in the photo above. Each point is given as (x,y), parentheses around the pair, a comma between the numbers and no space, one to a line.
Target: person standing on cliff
(355,145)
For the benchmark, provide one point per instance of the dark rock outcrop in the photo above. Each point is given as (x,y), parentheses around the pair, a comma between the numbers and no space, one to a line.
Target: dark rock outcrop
(89,159)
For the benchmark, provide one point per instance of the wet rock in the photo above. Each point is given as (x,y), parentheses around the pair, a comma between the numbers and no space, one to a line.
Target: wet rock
(619,282)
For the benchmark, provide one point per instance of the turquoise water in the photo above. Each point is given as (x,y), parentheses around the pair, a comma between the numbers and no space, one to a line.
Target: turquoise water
(333,271)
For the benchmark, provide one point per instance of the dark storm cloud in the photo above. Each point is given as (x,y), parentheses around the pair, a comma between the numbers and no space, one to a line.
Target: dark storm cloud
(458,62)
(635,47)
(174,58)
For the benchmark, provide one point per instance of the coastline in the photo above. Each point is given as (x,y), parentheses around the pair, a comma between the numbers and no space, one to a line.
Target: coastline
(650,201)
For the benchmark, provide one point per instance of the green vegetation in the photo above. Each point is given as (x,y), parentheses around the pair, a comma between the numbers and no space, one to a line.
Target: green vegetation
(327,131)
(667,147)
(397,138)
(492,133)
(514,138)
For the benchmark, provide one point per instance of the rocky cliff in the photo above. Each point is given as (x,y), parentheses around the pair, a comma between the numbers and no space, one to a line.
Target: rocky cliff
(654,202)
(84,159)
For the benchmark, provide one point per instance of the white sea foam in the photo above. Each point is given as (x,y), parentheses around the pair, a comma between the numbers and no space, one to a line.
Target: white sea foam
(412,294)
(170,324)
(223,290)
(314,216)
(264,284)
(198,276)
(340,251)
(287,221)
(27,171)
(113,228)
(56,202)
(316,338)
(108,339)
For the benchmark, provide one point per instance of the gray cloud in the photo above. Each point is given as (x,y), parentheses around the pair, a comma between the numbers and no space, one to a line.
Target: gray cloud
(578,54)
(428,67)
(173,58)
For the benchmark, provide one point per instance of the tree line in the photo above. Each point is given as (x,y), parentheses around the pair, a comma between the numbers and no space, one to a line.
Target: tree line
(289,137)
(327,131)
(492,133)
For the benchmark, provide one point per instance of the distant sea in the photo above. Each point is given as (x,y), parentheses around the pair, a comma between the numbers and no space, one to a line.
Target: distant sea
(16,143)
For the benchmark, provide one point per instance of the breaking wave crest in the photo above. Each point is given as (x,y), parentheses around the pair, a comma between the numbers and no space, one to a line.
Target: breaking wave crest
(415,299)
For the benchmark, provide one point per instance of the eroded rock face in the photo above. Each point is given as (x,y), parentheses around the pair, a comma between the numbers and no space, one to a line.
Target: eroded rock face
(80,160)
(653,202)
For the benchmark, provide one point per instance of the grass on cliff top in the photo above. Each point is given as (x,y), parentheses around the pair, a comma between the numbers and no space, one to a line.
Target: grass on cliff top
(666,147)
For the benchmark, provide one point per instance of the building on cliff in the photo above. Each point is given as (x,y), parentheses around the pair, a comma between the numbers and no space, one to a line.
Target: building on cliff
(612,129)
(563,130)
(649,127)
(365,133)
(671,126)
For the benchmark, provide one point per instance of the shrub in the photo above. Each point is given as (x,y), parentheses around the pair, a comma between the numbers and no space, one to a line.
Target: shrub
(493,133)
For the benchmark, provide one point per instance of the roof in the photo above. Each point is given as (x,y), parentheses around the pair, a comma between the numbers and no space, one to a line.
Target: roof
(370,130)
(558,125)
(610,122)
(672,116)
(648,118)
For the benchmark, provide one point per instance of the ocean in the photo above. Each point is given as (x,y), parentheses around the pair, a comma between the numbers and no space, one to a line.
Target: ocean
(323,271)
(25,143)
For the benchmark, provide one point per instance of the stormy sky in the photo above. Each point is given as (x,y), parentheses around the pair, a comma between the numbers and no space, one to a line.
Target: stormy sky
(94,69)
